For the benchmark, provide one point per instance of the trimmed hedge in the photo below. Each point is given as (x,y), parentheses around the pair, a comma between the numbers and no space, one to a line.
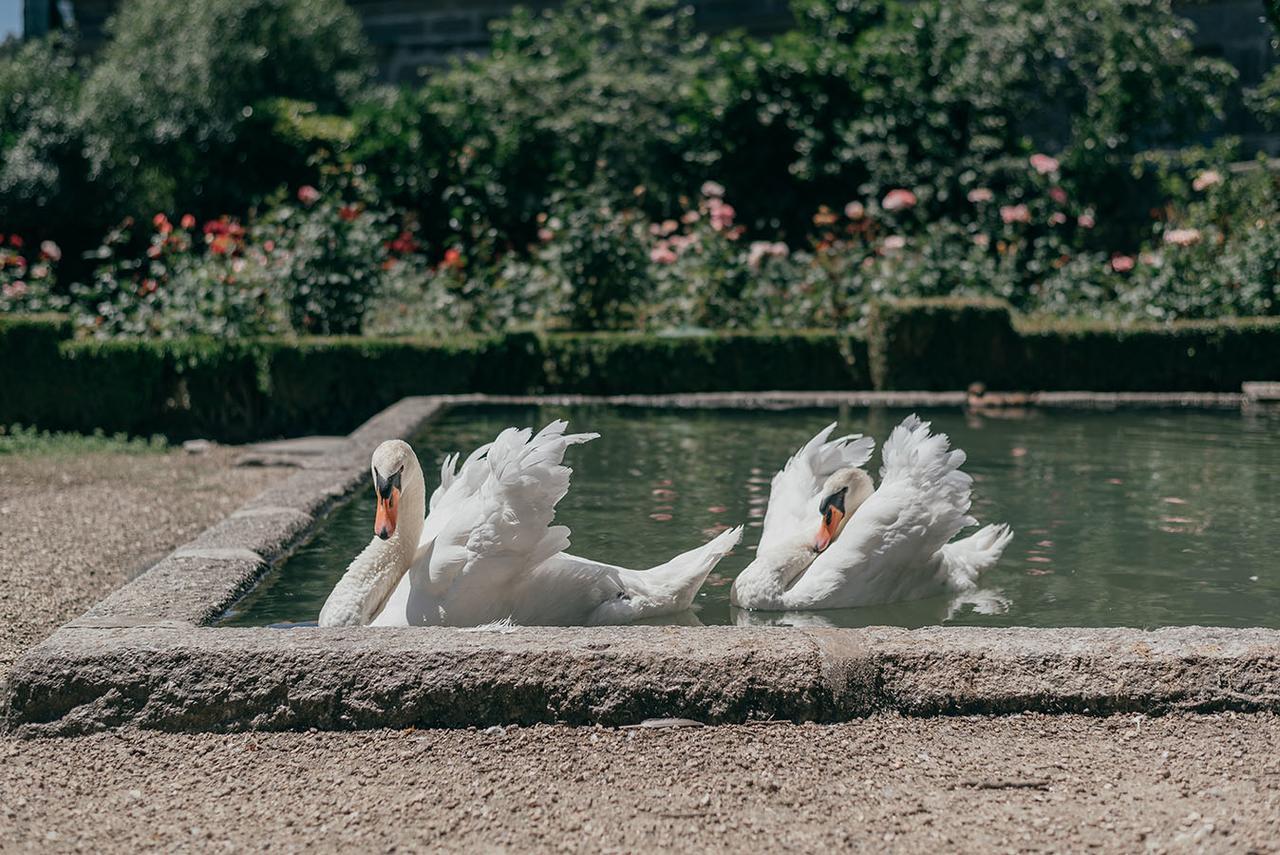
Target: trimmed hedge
(244,389)
(28,345)
(1191,356)
(942,343)
(629,363)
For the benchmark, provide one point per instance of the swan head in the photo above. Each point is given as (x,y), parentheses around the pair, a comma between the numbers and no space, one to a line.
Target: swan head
(842,493)
(396,472)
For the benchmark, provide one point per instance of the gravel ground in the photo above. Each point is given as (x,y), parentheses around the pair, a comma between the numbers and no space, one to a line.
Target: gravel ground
(70,529)
(1199,783)
(73,527)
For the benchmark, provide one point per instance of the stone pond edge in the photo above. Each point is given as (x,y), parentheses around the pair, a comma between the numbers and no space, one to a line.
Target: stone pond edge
(145,656)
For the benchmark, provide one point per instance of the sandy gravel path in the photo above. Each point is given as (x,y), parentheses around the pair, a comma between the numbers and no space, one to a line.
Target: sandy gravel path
(73,528)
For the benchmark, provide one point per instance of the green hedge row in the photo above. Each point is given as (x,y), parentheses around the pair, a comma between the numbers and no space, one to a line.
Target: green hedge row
(242,389)
(943,344)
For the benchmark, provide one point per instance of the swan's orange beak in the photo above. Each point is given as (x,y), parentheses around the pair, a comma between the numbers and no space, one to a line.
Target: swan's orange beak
(384,522)
(827,533)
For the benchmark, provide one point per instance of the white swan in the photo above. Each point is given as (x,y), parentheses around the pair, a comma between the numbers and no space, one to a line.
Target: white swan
(487,552)
(832,541)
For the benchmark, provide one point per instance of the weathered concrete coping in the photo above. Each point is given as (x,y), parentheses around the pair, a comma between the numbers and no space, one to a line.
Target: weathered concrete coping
(146,655)
(798,400)
(178,678)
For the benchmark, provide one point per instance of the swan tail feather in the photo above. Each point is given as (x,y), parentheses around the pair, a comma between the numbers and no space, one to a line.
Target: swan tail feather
(965,560)
(668,588)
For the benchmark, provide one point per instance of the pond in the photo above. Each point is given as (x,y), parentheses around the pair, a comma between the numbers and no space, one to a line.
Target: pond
(1140,518)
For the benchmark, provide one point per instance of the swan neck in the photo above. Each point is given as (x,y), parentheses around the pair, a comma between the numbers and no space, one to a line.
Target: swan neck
(375,572)
(765,581)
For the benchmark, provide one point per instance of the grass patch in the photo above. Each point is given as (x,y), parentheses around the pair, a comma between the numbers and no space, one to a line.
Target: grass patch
(17,439)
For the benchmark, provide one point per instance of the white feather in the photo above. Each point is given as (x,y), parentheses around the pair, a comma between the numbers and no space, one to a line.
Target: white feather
(895,545)
(796,489)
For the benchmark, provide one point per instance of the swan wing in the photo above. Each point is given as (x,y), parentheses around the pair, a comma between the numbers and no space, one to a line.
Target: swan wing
(888,550)
(504,529)
(794,493)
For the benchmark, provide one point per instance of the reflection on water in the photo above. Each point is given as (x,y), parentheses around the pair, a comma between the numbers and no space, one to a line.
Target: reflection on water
(1133,518)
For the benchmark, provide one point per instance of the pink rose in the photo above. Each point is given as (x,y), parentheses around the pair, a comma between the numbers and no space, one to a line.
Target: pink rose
(308,195)
(712,189)
(762,249)
(662,254)
(1182,237)
(1122,263)
(50,250)
(980,194)
(1015,214)
(855,210)
(721,214)
(545,234)
(690,217)
(1044,164)
(1057,218)
(1205,180)
(1085,221)
(982,240)
(1058,195)
(898,200)
(894,242)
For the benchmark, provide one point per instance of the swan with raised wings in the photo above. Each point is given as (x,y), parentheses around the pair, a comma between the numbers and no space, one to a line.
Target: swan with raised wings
(486,550)
(832,540)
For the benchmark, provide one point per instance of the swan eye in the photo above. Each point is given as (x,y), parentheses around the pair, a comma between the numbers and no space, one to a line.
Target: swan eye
(384,486)
(833,502)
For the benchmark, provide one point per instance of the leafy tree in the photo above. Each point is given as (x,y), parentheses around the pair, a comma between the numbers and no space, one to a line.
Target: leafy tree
(43,176)
(178,109)
(596,93)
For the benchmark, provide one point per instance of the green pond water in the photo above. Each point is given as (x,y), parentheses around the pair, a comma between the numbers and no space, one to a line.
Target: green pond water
(1128,518)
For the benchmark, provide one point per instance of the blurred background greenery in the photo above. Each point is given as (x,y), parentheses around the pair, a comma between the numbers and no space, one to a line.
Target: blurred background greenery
(234,167)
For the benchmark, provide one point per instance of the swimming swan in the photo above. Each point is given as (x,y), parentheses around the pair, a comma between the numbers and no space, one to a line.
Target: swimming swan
(486,550)
(831,540)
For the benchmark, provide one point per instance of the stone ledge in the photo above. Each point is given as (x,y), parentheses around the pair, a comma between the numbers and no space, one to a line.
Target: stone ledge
(179,678)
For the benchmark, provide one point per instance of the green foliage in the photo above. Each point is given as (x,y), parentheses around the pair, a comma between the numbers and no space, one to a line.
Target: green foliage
(603,269)
(28,276)
(1217,252)
(309,266)
(43,177)
(594,95)
(937,96)
(177,108)
(328,248)
(189,281)
(1265,99)
(30,442)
